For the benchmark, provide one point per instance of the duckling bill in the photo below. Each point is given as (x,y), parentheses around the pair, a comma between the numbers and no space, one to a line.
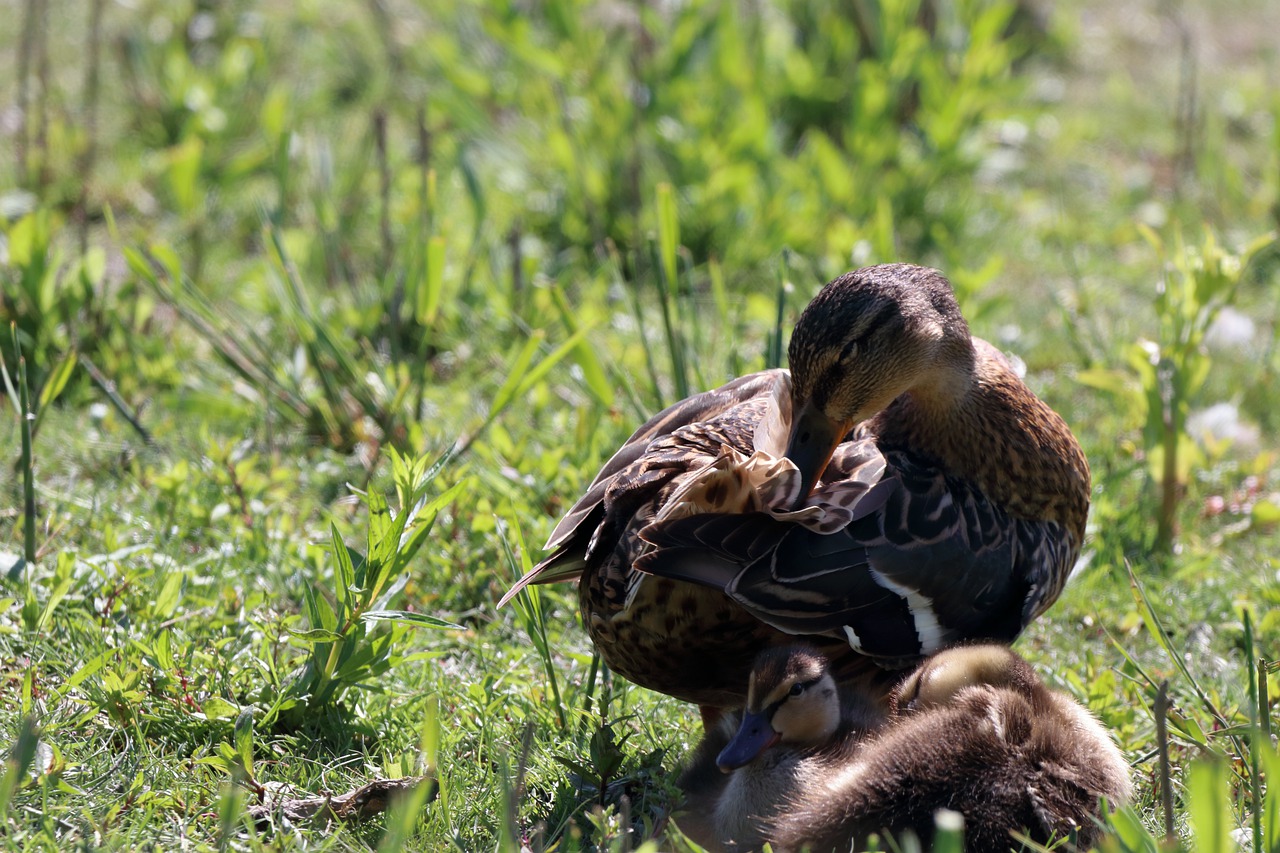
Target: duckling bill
(897,491)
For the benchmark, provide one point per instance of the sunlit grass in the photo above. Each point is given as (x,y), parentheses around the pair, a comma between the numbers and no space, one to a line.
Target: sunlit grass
(498,240)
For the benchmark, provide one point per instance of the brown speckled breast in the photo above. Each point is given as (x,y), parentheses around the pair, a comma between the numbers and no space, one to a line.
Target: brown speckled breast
(693,643)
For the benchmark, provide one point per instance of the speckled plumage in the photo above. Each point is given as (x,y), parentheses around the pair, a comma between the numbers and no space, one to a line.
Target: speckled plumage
(937,501)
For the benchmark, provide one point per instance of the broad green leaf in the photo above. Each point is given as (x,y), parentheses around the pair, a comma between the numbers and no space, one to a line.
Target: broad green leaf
(431,293)
(1265,513)
(163,650)
(184,174)
(93,266)
(383,539)
(89,668)
(1115,382)
(166,600)
(1209,806)
(217,708)
(244,740)
(319,611)
(64,579)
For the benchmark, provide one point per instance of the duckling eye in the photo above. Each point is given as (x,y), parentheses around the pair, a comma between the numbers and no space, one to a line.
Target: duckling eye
(796,689)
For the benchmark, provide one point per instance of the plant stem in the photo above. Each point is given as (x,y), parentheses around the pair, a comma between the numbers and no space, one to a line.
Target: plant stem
(1162,746)
(1169,486)
(90,152)
(25,46)
(1255,727)
(28,467)
(109,388)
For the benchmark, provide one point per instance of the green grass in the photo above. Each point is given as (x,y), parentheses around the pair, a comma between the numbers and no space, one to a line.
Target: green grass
(262,251)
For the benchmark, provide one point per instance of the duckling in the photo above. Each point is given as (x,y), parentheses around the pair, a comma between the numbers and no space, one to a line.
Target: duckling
(747,770)
(898,491)
(972,729)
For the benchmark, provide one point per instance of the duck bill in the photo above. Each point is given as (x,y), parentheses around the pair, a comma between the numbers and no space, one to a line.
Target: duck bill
(753,737)
(814,437)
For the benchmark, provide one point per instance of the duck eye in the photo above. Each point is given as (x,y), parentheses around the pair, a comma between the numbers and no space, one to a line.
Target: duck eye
(796,689)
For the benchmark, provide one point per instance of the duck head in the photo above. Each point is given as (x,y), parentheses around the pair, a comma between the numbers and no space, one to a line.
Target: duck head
(944,676)
(791,699)
(868,337)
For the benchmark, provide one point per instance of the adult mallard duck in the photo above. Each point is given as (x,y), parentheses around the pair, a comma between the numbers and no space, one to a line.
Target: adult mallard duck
(972,729)
(898,491)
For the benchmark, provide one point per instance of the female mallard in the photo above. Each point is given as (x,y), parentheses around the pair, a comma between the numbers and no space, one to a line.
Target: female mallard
(899,491)
(972,730)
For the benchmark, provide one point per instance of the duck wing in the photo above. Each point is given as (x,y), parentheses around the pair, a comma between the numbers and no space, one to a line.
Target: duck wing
(634,473)
(925,561)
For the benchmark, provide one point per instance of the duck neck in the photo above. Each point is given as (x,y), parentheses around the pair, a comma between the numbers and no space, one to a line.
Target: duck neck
(988,428)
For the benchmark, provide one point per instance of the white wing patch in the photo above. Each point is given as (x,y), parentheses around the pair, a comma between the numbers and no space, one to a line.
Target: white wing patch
(928,628)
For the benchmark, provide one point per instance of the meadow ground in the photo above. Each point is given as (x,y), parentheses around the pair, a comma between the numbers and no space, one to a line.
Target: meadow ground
(269,268)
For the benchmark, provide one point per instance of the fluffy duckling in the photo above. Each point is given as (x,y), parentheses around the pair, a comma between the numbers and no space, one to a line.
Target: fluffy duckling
(750,767)
(898,491)
(972,730)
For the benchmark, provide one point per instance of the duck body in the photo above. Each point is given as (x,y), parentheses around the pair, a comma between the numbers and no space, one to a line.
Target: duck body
(898,491)
(972,730)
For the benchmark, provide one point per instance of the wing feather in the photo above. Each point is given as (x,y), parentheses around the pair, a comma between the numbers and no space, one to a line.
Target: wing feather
(631,477)
(928,562)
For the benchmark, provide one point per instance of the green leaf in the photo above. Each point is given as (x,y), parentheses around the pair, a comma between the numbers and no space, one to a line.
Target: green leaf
(424,519)
(1114,382)
(1209,806)
(314,634)
(165,602)
(1271,800)
(520,382)
(163,650)
(593,372)
(57,381)
(431,293)
(217,708)
(516,373)
(409,617)
(668,234)
(383,538)
(184,174)
(19,760)
(89,668)
(64,579)
(244,740)
(344,574)
(1265,513)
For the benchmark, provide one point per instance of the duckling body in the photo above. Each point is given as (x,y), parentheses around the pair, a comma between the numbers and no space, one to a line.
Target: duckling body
(898,491)
(972,730)
(750,768)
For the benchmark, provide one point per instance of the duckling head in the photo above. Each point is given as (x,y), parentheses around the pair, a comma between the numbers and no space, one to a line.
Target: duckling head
(791,699)
(868,337)
(943,677)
